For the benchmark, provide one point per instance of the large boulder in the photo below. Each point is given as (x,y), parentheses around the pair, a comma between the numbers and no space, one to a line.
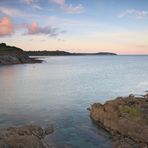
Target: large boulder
(125,118)
(28,136)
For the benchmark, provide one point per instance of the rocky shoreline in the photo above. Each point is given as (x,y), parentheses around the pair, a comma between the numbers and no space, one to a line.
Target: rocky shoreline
(28,136)
(126,119)
(9,59)
(13,55)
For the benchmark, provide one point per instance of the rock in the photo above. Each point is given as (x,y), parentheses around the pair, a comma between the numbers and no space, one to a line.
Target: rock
(28,136)
(146,95)
(126,117)
(49,130)
(88,108)
(26,130)
(22,142)
(14,55)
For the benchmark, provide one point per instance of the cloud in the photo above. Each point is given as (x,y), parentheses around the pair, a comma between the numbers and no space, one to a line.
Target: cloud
(29,1)
(139,14)
(6,26)
(54,20)
(34,28)
(73,9)
(37,7)
(11,11)
(33,3)
(68,8)
(59,2)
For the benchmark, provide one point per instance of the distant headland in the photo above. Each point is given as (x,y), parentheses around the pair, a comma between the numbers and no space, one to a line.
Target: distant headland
(15,55)
(63,53)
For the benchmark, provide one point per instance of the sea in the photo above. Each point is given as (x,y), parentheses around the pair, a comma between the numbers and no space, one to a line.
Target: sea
(60,90)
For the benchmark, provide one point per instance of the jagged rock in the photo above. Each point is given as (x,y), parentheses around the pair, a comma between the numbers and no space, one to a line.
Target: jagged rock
(28,136)
(48,130)
(124,116)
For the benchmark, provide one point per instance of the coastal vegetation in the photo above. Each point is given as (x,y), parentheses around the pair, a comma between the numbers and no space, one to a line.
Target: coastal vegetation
(63,53)
(4,49)
(131,111)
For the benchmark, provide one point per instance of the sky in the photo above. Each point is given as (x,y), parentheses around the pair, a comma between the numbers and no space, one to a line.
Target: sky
(119,26)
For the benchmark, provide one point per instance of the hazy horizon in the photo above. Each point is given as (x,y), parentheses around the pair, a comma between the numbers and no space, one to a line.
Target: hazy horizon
(76,26)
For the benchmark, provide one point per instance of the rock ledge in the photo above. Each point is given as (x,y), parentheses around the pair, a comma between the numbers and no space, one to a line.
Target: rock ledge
(126,119)
(28,136)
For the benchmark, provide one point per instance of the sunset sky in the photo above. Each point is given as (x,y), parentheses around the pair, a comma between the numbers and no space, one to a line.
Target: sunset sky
(119,26)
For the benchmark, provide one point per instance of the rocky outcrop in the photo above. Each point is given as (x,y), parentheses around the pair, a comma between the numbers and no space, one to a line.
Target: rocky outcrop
(15,59)
(28,136)
(14,55)
(126,118)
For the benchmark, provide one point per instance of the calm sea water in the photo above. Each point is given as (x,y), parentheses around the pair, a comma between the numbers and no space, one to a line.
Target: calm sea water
(60,90)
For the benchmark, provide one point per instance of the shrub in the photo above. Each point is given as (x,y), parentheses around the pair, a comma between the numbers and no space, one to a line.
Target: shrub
(132,111)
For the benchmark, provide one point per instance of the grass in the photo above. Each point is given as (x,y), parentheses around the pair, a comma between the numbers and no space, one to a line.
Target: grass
(132,111)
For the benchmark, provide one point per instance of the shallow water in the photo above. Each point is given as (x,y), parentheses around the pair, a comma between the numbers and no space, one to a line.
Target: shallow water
(60,90)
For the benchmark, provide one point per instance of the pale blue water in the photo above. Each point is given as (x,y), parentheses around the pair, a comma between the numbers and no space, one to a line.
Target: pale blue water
(59,91)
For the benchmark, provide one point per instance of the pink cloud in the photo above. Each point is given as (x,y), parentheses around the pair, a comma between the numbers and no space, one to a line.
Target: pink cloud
(6,26)
(34,28)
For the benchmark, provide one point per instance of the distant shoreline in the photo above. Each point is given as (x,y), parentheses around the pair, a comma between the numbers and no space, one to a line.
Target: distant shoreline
(14,55)
(63,53)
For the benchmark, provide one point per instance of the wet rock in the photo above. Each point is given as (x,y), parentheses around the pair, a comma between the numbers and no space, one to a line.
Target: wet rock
(126,118)
(88,108)
(49,130)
